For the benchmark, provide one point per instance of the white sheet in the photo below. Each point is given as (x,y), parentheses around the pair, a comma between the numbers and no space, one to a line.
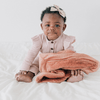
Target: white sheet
(11,57)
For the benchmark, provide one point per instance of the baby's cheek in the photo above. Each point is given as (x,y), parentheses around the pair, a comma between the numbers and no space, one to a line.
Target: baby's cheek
(62,30)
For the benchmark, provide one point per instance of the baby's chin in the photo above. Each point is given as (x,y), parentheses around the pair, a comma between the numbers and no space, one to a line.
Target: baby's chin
(52,37)
(49,38)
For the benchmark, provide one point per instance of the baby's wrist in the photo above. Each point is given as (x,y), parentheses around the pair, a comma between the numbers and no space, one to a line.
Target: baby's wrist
(33,74)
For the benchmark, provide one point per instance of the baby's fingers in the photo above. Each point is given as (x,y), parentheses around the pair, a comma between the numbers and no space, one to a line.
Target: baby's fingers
(77,72)
(72,72)
(80,72)
(23,72)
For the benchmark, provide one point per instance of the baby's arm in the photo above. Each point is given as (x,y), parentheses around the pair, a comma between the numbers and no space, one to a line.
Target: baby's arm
(25,74)
(32,54)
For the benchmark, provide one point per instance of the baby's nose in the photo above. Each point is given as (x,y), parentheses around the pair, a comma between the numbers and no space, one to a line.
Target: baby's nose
(52,27)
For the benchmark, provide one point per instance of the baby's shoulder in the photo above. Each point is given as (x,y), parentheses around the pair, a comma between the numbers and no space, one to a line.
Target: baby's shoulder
(69,38)
(38,37)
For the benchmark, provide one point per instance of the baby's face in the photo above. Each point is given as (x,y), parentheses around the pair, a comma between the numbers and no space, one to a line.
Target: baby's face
(52,26)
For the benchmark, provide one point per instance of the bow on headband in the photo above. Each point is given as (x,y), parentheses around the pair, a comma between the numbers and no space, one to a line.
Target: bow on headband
(56,8)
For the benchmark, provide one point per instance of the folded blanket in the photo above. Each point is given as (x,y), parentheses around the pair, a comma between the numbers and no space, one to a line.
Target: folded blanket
(54,67)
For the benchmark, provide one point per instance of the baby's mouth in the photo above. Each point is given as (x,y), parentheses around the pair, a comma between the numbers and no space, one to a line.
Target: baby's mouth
(52,33)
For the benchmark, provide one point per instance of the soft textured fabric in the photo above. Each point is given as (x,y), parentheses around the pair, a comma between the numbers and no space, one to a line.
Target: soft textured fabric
(54,66)
(42,45)
(11,57)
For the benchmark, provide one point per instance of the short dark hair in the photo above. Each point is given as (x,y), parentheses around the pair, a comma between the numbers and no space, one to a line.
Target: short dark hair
(47,11)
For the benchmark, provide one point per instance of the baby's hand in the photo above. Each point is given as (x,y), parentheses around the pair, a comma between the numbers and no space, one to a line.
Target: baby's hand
(23,72)
(76,76)
(24,76)
(76,72)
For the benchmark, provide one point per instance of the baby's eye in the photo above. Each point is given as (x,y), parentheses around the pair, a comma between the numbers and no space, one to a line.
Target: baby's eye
(47,25)
(57,25)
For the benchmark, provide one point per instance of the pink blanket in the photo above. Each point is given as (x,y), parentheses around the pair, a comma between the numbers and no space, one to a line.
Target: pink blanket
(54,67)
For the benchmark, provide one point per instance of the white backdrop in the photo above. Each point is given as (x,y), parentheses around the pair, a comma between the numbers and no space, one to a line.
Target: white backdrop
(20,19)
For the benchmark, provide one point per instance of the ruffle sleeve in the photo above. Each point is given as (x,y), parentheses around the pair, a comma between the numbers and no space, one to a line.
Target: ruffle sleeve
(69,40)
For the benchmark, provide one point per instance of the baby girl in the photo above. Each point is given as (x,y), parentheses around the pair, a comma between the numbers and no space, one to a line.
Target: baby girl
(52,40)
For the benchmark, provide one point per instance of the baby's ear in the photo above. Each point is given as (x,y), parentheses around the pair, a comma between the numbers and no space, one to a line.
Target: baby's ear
(41,26)
(64,27)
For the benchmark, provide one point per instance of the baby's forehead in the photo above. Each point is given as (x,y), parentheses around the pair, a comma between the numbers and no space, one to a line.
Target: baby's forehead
(52,17)
(52,14)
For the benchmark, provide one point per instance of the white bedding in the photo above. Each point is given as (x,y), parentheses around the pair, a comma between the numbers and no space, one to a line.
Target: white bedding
(11,58)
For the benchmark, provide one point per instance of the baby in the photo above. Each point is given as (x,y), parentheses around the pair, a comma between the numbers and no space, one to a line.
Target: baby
(52,40)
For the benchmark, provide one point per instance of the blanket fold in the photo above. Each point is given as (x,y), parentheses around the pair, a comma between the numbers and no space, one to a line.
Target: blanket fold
(54,67)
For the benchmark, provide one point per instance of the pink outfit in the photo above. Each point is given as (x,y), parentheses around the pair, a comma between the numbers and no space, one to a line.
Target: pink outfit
(42,45)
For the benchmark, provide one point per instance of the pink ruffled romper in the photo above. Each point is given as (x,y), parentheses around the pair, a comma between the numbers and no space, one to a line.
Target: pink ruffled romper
(42,45)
